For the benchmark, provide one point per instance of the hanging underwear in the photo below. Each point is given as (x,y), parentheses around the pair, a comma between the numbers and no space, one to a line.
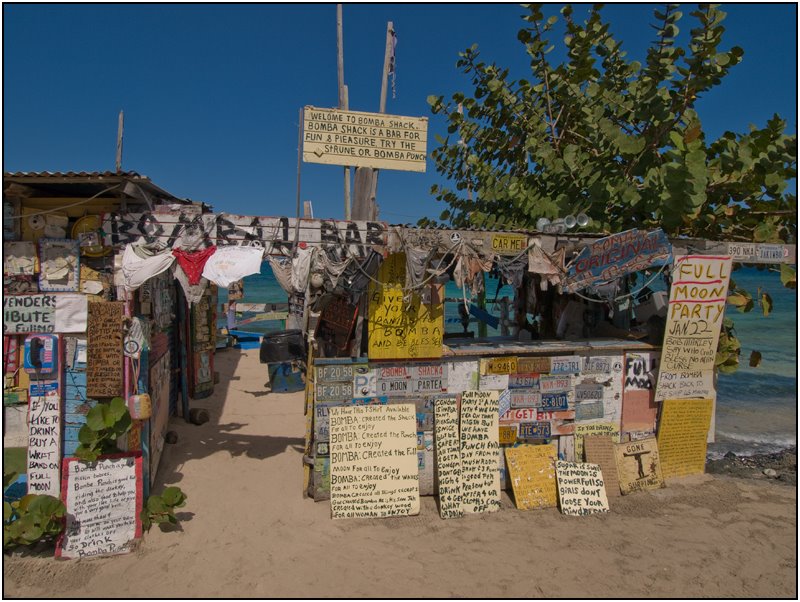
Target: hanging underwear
(139,265)
(193,262)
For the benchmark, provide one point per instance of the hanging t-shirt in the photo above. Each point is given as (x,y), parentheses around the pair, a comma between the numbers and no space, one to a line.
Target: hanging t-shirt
(230,264)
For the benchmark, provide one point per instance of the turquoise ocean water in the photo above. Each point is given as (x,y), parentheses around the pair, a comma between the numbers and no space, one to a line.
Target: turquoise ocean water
(756,407)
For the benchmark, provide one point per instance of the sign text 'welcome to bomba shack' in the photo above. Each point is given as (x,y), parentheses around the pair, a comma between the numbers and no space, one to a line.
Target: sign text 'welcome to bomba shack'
(358,139)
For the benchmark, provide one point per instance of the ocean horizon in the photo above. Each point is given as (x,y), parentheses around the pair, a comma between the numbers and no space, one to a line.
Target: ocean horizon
(756,409)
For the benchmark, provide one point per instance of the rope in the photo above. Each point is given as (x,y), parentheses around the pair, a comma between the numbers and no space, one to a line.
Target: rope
(67,206)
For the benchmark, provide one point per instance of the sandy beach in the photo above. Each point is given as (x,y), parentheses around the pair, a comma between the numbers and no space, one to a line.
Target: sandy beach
(248,532)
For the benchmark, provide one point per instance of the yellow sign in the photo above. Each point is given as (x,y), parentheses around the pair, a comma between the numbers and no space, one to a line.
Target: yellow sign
(638,466)
(375,140)
(682,433)
(533,475)
(398,330)
(499,365)
(509,244)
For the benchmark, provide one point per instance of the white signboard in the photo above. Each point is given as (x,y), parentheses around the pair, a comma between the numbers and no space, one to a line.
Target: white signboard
(104,501)
(358,139)
(44,439)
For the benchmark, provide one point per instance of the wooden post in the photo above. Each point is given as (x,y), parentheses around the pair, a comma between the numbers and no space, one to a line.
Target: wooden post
(120,128)
(387,53)
(299,163)
(343,99)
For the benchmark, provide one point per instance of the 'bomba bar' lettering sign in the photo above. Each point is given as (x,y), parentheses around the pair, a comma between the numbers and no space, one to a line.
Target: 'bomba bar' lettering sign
(359,139)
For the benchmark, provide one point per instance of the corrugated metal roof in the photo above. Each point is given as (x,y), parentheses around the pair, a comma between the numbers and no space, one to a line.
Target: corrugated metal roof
(73,174)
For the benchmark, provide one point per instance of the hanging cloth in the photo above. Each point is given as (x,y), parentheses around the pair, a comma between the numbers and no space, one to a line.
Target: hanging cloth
(417,261)
(193,262)
(333,269)
(512,270)
(233,263)
(282,269)
(192,292)
(141,263)
(301,268)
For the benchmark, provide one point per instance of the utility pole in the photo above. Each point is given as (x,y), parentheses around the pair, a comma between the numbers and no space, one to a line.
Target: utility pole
(120,128)
(343,100)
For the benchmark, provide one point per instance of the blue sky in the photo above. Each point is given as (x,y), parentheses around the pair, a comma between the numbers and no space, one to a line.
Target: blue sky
(211,93)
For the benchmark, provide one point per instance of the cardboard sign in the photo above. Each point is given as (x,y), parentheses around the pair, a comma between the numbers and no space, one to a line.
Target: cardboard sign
(533,364)
(498,365)
(581,488)
(448,456)
(480,450)
(104,501)
(533,475)
(641,371)
(104,371)
(600,450)
(682,432)
(44,439)
(29,313)
(400,330)
(694,319)
(373,458)
(593,428)
(336,137)
(616,255)
(638,466)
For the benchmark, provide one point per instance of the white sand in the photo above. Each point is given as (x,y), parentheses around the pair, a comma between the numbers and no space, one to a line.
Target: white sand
(248,532)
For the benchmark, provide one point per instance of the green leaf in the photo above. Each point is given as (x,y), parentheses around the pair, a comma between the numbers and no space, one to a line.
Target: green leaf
(755,359)
(766,304)
(155,504)
(97,417)
(788,276)
(8,511)
(173,496)
(47,505)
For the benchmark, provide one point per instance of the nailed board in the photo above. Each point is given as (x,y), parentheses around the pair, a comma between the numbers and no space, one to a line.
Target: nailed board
(480,450)
(682,436)
(638,465)
(357,139)
(104,371)
(398,330)
(694,319)
(448,456)
(532,472)
(600,450)
(581,489)
(104,501)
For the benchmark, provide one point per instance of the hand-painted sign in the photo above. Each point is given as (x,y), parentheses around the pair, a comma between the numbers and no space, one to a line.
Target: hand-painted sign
(336,137)
(401,329)
(694,319)
(682,434)
(29,313)
(44,439)
(581,488)
(638,465)
(104,503)
(480,452)
(518,415)
(374,469)
(531,469)
(448,456)
(176,228)
(104,349)
(616,255)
